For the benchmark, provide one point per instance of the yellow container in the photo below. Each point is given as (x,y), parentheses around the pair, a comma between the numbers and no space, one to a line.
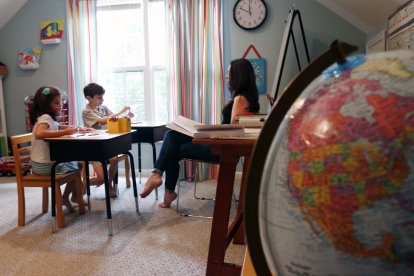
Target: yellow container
(124,124)
(113,125)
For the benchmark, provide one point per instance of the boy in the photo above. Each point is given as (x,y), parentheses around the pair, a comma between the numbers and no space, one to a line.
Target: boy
(95,115)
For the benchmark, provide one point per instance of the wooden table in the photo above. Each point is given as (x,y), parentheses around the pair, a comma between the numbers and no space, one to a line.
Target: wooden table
(230,151)
(91,148)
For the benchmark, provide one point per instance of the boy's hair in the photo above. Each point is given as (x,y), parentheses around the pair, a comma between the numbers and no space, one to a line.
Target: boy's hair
(42,103)
(93,89)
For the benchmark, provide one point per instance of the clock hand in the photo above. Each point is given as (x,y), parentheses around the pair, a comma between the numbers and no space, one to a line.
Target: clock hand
(250,2)
(245,10)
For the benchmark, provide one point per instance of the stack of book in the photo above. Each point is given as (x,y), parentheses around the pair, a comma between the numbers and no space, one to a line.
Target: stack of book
(251,120)
(198,130)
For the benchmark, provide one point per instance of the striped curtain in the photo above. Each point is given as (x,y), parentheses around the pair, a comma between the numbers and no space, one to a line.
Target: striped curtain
(81,43)
(195,61)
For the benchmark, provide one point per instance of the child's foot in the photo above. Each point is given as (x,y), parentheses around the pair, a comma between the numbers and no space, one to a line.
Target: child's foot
(68,205)
(169,197)
(153,181)
(75,200)
(112,193)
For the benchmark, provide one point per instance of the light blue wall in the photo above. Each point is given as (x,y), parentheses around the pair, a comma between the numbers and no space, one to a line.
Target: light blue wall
(321,27)
(23,31)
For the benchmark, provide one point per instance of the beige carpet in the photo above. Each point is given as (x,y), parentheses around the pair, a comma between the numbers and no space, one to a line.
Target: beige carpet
(155,242)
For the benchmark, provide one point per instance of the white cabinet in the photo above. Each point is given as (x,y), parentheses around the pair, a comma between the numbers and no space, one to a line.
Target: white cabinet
(3,130)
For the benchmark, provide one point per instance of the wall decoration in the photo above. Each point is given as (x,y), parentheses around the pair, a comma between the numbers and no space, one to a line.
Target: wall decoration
(51,31)
(29,58)
(259,66)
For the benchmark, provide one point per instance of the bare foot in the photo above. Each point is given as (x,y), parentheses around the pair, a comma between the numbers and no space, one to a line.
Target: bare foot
(75,200)
(68,205)
(112,193)
(168,199)
(153,181)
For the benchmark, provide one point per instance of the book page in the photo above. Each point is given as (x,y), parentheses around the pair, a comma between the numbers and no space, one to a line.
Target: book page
(218,127)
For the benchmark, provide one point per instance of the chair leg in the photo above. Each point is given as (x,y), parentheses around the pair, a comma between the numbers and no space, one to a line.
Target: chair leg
(21,206)
(45,200)
(59,212)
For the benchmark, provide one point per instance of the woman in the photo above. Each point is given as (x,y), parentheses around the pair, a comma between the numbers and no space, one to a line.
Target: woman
(241,81)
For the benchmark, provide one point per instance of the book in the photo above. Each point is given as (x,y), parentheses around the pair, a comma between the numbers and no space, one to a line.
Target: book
(253,120)
(198,130)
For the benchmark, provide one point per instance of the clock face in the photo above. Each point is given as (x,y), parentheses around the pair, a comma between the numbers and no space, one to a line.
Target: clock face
(249,14)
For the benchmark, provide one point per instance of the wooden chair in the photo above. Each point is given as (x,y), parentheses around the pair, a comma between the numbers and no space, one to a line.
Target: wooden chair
(21,145)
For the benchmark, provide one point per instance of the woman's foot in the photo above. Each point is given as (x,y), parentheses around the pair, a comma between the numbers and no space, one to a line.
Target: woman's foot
(68,205)
(169,197)
(153,181)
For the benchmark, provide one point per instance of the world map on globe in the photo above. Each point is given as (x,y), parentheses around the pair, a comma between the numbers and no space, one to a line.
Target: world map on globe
(340,198)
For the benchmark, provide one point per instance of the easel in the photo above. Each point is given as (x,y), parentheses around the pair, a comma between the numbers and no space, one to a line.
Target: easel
(288,33)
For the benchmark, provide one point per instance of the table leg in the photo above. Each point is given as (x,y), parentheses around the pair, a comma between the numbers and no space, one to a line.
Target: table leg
(221,214)
(139,161)
(239,238)
(154,159)
(53,197)
(107,198)
(134,182)
(88,184)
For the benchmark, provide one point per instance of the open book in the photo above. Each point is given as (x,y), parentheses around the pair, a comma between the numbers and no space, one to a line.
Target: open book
(199,130)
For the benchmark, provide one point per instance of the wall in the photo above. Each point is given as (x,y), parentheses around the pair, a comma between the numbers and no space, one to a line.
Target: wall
(321,27)
(23,31)
(320,24)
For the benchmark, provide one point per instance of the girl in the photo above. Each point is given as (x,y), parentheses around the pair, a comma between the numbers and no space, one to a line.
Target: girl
(241,81)
(46,108)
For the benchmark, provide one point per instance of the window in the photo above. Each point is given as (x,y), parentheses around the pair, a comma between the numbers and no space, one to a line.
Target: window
(132,56)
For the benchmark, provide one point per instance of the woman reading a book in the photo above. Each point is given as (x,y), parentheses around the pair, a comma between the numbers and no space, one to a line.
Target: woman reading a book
(241,81)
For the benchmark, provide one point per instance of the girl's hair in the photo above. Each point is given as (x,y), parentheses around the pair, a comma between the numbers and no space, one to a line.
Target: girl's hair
(242,81)
(42,103)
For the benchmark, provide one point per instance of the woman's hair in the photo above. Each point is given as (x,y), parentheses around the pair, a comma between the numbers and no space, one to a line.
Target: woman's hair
(42,103)
(242,81)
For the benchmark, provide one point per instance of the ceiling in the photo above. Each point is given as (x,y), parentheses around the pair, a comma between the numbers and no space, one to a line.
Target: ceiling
(363,14)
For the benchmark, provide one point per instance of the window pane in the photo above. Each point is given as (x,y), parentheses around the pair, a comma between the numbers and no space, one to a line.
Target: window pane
(120,36)
(157,38)
(161,97)
(125,88)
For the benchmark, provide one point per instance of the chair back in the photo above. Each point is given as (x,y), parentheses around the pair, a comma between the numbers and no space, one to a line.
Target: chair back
(22,146)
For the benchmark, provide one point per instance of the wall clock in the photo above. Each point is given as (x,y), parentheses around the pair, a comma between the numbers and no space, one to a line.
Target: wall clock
(249,14)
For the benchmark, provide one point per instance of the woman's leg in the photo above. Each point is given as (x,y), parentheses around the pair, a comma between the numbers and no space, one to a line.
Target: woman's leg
(189,151)
(167,161)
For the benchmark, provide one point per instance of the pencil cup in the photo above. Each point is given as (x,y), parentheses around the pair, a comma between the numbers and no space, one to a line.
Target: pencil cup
(113,125)
(124,124)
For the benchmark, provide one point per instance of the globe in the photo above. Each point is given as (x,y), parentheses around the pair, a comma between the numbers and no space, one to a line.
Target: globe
(337,192)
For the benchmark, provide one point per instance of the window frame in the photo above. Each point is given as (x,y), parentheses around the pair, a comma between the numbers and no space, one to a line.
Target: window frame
(148,69)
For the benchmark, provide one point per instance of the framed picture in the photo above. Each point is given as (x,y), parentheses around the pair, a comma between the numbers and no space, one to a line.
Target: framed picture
(29,58)
(51,31)
(259,66)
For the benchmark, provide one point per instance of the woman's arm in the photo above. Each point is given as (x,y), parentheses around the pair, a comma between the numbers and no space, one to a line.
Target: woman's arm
(42,131)
(240,106)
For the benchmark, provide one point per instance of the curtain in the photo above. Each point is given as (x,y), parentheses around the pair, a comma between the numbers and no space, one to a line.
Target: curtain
(81,43)
(195,61)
